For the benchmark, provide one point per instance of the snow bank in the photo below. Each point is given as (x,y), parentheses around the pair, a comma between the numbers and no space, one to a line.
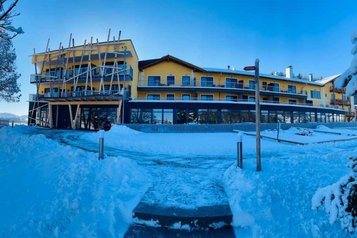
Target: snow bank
(51,190)
(339,199)
(276,202)
(122,137)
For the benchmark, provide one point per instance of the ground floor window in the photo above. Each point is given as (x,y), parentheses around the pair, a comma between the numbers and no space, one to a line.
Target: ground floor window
(226,116)
(93,118)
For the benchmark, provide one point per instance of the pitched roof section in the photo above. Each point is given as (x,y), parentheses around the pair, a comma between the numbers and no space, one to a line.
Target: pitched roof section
(147,63)
(328,79)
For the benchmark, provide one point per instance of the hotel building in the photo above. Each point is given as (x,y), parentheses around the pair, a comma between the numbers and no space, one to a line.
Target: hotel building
(81,87)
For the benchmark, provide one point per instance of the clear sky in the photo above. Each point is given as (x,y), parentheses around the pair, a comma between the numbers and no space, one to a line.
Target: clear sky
(312,36)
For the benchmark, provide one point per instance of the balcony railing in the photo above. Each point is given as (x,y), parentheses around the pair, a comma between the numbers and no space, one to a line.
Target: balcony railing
(77,94)
(125,74)
(238,100)
(337,90)
(340,102)
(239,86)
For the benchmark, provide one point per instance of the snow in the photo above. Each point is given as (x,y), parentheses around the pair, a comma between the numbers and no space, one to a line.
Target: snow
(51,190)
(184,170)
(335,200)
(351,86)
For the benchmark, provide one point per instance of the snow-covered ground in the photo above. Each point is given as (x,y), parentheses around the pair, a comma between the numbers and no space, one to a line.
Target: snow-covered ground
(179,169)
(51,190)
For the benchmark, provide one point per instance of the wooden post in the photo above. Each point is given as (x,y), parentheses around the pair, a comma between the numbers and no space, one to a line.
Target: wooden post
(50,119)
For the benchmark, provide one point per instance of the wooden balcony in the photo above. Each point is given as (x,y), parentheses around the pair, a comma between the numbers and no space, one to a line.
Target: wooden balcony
(340,102)
(337,90)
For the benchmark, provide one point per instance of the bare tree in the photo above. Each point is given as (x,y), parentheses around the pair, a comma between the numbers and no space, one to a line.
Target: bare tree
(6,17)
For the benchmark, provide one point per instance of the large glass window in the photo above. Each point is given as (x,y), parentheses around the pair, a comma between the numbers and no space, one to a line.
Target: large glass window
(186,80)
(315,94)
(291,89)
(207,116)
(207,97)
(170,97)
(275,87)
(231,83)
(230,116)
(168,116)
(184,116)
(157,116)
(170,80)
(251,99)
(251,84)
(231,98)
(206,81)
(154,80)
(185,96)
(153,97)
(264,116)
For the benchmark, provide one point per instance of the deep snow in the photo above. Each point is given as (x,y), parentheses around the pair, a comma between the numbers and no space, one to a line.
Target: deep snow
(181,169)
(51,190)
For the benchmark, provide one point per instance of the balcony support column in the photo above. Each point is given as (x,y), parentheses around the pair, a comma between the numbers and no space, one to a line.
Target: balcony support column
(50,120)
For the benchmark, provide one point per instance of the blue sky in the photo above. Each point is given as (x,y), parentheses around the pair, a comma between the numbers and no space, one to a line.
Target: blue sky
(312,36)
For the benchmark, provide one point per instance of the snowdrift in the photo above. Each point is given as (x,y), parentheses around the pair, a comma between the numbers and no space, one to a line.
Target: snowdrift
(51,190)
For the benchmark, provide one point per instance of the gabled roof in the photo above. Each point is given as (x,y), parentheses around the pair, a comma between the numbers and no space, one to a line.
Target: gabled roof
(147,63)
(328,79)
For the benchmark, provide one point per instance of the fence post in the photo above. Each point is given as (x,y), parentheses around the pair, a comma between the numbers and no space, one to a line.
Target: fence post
(278,129)
(240,150)
(101,146)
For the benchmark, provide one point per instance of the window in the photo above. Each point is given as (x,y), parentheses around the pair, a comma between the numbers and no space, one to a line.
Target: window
(291,89)
(185,80)
(170,80)
(251,84)
(276,100)
(231,83)
(207,97)
(315,94)
(231,98)
(170,97)
(154,80)
(206,81)
(251,99)
(167,116)
(185,96)
(153,97)
(291,101)
(275,87)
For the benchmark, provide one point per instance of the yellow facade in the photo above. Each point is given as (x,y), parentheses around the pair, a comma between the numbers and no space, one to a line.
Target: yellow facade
(104,73)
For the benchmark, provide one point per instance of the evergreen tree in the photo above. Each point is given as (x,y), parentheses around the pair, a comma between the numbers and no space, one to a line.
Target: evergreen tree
(7,30)
(349,78)
(9,88)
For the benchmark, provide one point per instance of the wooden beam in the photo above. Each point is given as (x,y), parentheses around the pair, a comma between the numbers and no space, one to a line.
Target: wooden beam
(50,120)
(70,116)
(114,103)
(119,111)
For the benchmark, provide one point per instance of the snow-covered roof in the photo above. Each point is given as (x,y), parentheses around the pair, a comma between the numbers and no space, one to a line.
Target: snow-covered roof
(240,72)
(328,79)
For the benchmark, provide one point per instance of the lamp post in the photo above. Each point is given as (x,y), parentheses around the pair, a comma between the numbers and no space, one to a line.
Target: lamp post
(257,110)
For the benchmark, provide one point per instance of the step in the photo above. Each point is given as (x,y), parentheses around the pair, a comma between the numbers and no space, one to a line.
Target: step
(206,217)
(140,231)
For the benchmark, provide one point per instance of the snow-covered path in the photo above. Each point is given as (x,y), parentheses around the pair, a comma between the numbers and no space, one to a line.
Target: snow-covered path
(184,181)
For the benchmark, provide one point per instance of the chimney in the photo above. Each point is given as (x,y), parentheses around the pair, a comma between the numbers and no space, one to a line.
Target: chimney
(310,77)
(289,72)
